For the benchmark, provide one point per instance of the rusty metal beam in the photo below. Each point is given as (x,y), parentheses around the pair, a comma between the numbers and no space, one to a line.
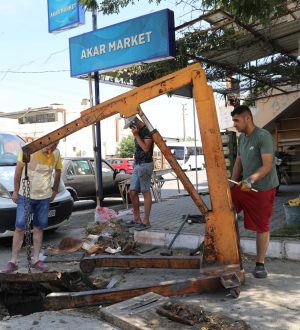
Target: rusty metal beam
(57,301)
(159,141)
(88,264)
(221,245)
(125,104)
(30,277)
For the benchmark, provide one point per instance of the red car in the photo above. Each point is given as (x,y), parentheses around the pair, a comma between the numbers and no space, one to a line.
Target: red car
(124,165)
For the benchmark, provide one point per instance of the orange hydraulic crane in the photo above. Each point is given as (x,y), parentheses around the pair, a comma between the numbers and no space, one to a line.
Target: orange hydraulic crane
(221,262)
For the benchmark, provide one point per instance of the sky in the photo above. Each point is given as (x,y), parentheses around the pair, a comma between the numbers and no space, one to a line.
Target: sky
(34,64)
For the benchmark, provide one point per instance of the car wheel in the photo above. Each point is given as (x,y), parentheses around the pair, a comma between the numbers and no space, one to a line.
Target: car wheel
(73,195)
(122,172)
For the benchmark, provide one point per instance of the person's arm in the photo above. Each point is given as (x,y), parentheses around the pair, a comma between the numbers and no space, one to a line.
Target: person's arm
(237,169)
(17,181)
(57,175)
(145,144)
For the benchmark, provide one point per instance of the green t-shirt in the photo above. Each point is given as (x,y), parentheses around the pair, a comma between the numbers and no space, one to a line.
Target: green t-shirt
(250,149)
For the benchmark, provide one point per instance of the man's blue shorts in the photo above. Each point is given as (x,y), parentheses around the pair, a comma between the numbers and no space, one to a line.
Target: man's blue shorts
(39,210)
(141,177)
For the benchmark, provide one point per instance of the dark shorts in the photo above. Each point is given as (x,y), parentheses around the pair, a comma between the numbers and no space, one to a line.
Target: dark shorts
(257,207)
(39,210)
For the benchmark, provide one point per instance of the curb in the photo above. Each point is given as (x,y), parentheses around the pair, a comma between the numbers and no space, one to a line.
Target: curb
(289,250)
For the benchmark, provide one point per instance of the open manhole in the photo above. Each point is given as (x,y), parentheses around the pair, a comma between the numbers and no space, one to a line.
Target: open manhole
(24,294)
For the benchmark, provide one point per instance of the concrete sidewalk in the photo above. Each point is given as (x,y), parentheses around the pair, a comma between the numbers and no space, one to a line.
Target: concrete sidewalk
(167,216)
(265,304)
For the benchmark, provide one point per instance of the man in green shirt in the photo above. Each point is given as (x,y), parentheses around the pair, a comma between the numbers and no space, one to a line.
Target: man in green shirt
(255,164)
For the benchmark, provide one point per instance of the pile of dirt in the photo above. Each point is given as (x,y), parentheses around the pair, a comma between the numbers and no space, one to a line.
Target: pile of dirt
(196,316)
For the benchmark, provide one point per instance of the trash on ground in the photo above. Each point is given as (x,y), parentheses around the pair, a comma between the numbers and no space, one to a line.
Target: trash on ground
(66,245)
(113,251)
(104,214)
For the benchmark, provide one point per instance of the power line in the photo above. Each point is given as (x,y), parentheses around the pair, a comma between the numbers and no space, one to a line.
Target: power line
(34,72)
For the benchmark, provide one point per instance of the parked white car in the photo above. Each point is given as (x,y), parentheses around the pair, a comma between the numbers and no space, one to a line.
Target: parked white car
(190,164)
(60,209)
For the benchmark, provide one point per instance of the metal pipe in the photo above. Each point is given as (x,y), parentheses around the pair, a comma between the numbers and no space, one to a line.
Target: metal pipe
(93,135)
(98,128)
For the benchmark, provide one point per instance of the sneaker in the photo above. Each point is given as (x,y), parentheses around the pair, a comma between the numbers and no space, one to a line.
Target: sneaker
(10,268)
(39,265)
(260,272)
(142,226)
(132,223)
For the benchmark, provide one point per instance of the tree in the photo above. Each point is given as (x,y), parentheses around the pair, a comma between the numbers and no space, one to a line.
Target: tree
(276,70)
(246,10)
(126,147)
(249,10)
(108,7)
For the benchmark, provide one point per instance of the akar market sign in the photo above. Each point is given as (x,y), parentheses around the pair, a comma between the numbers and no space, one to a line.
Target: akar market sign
(64,15)
(144,39)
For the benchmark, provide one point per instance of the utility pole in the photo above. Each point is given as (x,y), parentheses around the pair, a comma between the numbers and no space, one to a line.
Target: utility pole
(97,143)
(183,120)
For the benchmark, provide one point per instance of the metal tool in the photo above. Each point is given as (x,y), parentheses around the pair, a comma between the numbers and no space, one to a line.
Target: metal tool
(238,183)
(169,252)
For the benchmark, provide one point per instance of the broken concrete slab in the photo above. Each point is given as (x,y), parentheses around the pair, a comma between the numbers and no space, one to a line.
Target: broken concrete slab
(153,311)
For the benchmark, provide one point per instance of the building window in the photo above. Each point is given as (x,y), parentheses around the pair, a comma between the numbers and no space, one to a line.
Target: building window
(38,118)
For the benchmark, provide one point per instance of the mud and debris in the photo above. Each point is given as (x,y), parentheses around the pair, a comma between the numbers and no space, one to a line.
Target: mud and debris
(196,315)
(100,236)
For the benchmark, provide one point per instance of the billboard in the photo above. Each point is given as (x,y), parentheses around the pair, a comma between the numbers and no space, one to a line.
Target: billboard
(144,39)
(64,15)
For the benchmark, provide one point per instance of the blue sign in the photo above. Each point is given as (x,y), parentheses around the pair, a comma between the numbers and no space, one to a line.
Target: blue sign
(144,39)
(64,15)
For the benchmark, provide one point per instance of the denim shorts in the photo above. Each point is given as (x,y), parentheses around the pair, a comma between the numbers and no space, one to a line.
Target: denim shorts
(141,177)
(39,210)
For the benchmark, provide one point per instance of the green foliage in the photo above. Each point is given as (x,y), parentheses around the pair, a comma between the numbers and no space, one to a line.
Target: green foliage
(108,7)
(249,10)
(195,45)
(126,147)
(245,10)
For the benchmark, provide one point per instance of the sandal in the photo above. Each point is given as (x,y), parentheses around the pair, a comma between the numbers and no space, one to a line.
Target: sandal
(39,265)
(10,268)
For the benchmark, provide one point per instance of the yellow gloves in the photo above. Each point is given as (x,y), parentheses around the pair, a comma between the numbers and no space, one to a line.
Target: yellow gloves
(294,202)
(246,185)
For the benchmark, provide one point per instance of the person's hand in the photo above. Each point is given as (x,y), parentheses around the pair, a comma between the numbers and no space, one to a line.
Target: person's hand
(14,197)
(245,185)
(135,130)
(54,193)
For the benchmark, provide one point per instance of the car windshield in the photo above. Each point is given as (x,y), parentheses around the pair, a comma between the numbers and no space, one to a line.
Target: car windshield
(10,145)
(105,167)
